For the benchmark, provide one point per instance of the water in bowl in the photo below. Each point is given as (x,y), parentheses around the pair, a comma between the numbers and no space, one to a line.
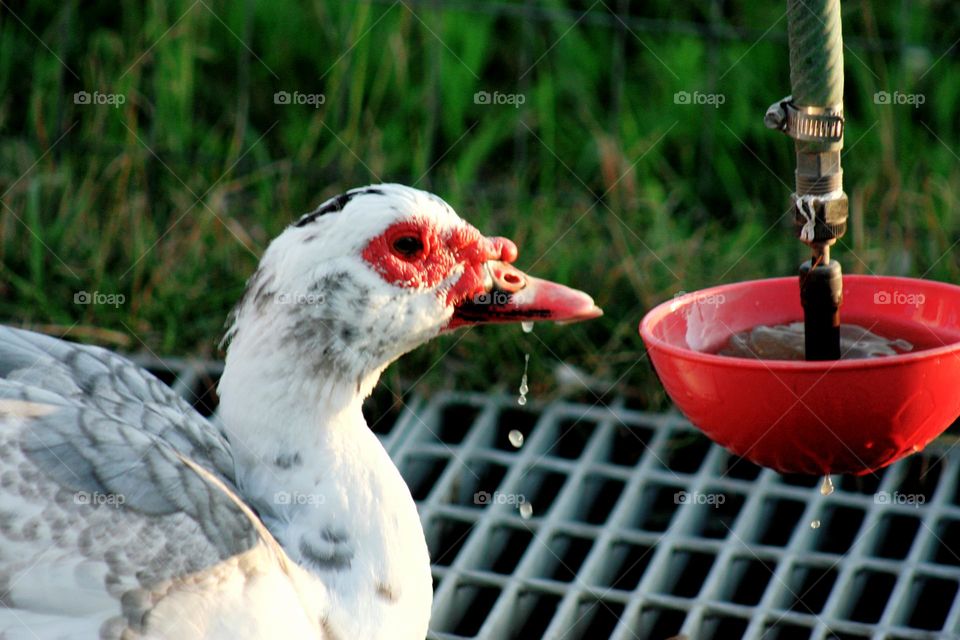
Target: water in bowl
(786,342)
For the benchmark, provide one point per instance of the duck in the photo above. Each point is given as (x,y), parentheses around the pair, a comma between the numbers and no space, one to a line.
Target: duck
(125,514)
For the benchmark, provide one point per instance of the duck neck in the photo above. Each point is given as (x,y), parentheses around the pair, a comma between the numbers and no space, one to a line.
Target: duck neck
(284,421)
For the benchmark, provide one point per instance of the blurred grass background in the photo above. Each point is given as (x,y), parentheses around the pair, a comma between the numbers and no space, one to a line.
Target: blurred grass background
(604,181)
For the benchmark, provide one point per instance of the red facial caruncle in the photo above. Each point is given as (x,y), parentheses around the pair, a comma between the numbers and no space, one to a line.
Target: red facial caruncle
(415,254)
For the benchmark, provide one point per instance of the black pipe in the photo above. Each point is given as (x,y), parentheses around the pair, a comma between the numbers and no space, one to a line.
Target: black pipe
(821,294)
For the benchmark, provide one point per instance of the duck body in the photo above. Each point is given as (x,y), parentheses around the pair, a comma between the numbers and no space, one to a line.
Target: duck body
(124,514)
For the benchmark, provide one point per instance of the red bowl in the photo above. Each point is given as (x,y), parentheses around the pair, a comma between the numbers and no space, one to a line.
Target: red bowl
(846,416)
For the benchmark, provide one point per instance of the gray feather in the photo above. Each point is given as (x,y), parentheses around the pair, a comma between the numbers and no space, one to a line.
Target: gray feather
(103,427)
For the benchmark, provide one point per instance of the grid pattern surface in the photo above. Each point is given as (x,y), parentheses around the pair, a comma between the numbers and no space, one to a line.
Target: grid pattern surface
(641,528)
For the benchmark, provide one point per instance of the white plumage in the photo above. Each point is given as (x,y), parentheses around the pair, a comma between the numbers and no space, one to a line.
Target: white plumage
(125,514)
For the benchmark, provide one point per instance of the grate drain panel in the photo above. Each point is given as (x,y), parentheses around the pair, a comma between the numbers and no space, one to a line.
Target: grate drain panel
(643,529)
(660,533)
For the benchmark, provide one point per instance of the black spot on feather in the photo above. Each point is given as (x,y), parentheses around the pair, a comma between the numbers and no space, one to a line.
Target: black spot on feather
(336,203)
(287,460)
(331,536)
(336,560)
(387,592)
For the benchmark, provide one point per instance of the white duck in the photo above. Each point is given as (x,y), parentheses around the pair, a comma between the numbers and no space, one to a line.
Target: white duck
(125,514)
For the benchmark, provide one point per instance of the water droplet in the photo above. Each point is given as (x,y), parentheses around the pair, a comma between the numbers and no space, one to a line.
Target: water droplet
(916,448)
(526,510)
(524,389)
(815,524)
(826,487)
(516,438)
(526,326)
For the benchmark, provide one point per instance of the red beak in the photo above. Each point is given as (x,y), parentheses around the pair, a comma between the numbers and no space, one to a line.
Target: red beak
(509,295)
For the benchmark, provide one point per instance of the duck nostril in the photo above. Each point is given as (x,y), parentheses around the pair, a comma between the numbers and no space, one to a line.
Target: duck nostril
(505,277)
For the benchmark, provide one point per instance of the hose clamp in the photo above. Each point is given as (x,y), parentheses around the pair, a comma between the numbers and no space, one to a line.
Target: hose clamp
(807,124)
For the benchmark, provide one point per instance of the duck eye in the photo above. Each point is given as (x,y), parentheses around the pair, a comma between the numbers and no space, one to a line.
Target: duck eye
(408,246)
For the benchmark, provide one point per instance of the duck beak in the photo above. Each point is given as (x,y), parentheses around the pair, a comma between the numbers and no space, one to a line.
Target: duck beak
(509,295)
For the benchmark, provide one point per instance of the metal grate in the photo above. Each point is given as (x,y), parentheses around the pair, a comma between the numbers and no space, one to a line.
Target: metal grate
(641,528)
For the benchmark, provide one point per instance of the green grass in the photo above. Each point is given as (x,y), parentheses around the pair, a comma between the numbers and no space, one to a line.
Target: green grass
(170,198)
